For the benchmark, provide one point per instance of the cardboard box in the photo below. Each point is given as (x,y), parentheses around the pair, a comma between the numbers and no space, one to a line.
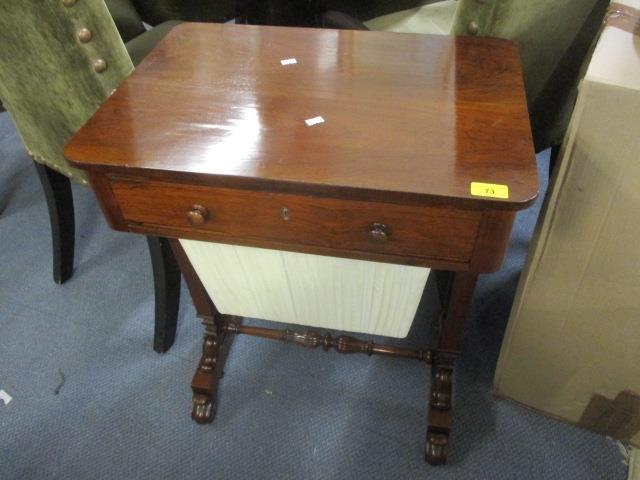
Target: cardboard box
(572,346)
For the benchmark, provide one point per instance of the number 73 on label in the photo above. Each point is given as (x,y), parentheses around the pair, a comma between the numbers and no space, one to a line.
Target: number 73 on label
(493,190)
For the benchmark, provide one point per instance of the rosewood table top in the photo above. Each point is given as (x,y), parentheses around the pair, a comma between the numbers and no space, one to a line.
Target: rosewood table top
(405,118)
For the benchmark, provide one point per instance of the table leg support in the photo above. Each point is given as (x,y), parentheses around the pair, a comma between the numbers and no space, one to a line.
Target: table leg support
(439,418)
(215,348)
(205,381)
(457,292)
(215,345)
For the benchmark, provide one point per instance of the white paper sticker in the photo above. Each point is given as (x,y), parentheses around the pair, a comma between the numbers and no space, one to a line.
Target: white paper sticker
(314,121)
(5,397)
(288,61)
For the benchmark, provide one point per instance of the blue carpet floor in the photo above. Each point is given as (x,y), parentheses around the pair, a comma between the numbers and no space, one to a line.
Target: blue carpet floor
(122,411)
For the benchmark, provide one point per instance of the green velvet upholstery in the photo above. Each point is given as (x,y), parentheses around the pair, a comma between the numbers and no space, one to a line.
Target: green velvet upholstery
(435,18)
(126,17)
(47,80)
(553,36)
(155,12)
(140,46)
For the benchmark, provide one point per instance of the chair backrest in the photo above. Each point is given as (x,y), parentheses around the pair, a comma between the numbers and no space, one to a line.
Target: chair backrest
(554,37)
(54,74)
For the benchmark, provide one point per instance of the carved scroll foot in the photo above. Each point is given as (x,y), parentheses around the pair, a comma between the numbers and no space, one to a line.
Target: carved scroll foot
(435,452)
(440,414)
(205,382)
(203,409)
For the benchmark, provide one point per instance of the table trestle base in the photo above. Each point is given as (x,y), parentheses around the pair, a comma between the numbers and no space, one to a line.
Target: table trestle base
(342,343)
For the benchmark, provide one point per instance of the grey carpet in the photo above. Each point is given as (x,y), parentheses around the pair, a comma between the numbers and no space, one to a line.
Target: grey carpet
(285,412)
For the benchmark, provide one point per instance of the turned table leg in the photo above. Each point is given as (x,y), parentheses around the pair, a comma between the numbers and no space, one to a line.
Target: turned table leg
(215,348)
(205,381)
(456,289)
(215,345)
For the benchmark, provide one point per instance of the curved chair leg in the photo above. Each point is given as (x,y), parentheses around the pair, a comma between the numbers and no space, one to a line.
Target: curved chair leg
(57,191)
(166,280)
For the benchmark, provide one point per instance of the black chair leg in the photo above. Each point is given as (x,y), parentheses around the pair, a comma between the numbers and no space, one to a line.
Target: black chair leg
(166,280)
(57,191)
(166,274)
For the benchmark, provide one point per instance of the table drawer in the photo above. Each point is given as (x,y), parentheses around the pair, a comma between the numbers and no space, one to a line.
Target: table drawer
(251,217)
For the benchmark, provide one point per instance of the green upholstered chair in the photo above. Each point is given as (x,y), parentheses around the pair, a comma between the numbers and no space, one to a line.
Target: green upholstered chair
(59,60)
(138,40)
(553,36)
(163,15)
(155,12)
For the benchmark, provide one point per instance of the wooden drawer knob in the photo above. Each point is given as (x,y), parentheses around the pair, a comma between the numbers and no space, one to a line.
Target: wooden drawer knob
(197,215)
(378,232)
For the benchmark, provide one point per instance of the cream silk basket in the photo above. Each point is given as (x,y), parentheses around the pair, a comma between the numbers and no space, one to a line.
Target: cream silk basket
(313,290)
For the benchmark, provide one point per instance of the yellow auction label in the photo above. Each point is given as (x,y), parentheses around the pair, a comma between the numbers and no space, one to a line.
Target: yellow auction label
(492,190)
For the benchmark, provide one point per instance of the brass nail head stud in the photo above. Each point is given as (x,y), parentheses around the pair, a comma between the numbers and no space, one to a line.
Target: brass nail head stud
(85,35)
(99,65)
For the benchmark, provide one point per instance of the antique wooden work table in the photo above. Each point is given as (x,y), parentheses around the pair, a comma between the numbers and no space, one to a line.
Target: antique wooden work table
(423,157)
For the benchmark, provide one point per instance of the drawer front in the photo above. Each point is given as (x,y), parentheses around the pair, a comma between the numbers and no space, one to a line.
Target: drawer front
(252,217)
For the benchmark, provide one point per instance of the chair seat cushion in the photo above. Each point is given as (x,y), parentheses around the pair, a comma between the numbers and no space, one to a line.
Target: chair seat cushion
(436,18)
(140,46)
(126,18)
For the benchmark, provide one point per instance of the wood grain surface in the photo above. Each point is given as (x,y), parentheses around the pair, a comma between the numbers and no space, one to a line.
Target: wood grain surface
(246,215)
(406,117)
